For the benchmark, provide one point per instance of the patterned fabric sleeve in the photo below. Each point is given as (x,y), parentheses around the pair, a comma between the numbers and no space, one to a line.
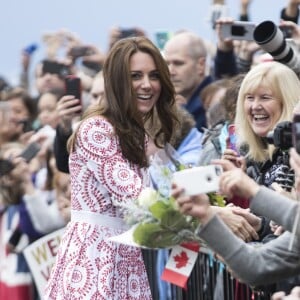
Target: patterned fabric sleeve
(98,145)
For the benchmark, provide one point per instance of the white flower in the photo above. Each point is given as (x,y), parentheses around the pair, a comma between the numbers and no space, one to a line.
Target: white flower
(147,197)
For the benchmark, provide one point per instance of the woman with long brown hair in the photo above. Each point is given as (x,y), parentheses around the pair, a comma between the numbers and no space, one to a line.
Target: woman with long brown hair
(108,165)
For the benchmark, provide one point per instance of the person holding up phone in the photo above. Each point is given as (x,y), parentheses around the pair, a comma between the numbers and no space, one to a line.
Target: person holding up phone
(68,109)
(49,76)
(21,111)
(263,102)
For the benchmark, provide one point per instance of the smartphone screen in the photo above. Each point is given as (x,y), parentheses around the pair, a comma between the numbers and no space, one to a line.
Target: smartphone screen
(296,132)
(30,152)
(128,32)
(53,67)
(73,86)
(237,30)
(231,142)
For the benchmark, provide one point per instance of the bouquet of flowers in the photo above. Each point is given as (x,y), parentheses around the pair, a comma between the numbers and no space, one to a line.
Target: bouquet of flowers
(154,217)
(158,223)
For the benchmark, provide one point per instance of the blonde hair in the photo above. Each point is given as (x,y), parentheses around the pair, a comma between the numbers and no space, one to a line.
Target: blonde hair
(285,86)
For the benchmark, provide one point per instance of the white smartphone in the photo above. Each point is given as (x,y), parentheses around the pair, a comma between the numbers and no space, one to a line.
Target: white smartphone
(238,30)
(199,180)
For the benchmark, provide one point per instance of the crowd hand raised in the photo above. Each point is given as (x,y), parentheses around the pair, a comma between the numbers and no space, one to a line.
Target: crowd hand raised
(197,206)
(242,223)
(244,6)
(247,49)
(293,28)
(96,55)
(114,35)
(68,108)
(225,45)
(294,295)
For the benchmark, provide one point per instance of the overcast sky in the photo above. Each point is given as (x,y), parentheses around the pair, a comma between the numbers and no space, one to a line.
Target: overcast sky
(24,22)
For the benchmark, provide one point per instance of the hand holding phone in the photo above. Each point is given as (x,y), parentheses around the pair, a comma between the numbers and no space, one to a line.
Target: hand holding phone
(198,180)
(231,142)
(31,151)
(73,86)
(6,166)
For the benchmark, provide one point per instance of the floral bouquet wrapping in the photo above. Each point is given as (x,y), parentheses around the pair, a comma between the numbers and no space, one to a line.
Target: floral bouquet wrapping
(154,217)
(158,223)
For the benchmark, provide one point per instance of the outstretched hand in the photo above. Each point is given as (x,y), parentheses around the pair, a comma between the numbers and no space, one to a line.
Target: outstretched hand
(197,206)
(234,181)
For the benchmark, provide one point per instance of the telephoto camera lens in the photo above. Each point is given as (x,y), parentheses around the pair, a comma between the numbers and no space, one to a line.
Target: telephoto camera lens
(271,39)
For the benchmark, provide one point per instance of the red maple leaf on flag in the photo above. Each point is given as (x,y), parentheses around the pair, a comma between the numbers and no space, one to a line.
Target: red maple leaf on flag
(181,259)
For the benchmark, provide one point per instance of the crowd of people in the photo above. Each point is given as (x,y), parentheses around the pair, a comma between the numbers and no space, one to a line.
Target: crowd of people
(66,161)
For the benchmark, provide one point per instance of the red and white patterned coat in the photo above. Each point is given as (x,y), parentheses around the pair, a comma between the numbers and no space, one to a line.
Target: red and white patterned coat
(87,265)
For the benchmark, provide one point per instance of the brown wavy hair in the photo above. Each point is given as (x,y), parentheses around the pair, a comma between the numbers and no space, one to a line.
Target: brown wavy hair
(120,107)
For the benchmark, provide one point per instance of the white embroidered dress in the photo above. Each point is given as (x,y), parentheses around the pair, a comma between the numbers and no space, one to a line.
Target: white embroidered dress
(87,265)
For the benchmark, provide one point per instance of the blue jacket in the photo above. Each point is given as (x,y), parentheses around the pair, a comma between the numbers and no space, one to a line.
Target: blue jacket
(190,148)
(195,107)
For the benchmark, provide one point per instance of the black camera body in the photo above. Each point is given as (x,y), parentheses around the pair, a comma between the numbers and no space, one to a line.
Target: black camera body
(54,67)
(281,136)
(128,32)
(296,132)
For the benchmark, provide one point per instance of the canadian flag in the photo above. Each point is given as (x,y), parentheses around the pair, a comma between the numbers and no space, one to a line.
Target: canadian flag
(180,264)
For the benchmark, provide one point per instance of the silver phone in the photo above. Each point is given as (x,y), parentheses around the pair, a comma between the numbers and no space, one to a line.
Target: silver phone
(238,30)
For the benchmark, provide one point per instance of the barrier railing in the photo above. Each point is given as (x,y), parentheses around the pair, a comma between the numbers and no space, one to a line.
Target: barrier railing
(209,280)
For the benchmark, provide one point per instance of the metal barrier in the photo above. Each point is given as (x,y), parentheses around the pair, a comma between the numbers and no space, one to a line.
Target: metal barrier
(209,280)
